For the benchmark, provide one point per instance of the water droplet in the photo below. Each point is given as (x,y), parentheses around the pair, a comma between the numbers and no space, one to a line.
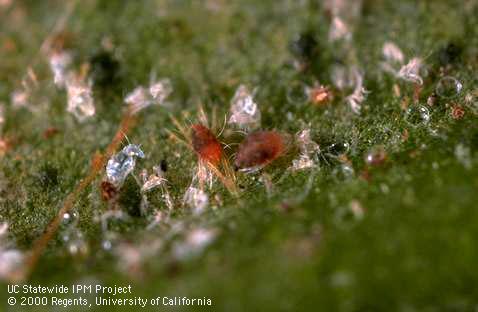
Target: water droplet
(418,115)
(376,156)
(70,218)
(448,87)
(338,148)
(109,239)
(343,172)
(106,244)
(78,245)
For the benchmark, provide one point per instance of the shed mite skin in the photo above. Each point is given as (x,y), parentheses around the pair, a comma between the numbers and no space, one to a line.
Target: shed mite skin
(259,149)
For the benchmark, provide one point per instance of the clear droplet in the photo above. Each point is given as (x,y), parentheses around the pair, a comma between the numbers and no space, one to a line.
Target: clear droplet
(448,87)
(106,244)
(418,115)
(109,239)
(343,172)
(338,149)
(376,156)
(70,218)
(77,245)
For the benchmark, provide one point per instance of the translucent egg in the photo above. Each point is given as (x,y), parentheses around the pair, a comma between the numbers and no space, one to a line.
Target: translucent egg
(448,87)
(418,115)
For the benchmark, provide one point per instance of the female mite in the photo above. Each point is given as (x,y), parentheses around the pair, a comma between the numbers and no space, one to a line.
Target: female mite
(205,144)
(212,161)
(259,149)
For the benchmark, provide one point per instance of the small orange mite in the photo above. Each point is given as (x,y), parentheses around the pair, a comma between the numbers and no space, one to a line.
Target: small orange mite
(50,132)
(205,144)
(320,95)
(259,149)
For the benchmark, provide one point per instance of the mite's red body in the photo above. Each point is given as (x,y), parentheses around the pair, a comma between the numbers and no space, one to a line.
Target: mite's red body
(205,144)
(259,149)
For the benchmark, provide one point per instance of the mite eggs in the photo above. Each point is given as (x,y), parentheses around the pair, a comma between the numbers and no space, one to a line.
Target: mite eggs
(259,149)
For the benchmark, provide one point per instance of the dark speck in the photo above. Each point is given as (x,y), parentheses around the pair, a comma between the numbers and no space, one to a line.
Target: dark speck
(305,46)
(104,69)
(48,176)
(163,165)
(450,54)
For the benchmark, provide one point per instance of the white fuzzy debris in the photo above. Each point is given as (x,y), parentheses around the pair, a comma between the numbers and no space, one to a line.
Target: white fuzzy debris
(410,71)
(141,97)
(161,89)
(200,238)
(392,53)
(196,198)
(154,180)
(20,98)
(394,56)
(204,175)
(308,151)
(111,215)
(10,259)
(348,8)
(195,242)
(130,258)
(138,98)
(357,209)
(3,229)
(358,96)
(463,155)
(2,115)
(244,111)
(339,30)
(120,165)
(80,99)
(59,64)
(340,77)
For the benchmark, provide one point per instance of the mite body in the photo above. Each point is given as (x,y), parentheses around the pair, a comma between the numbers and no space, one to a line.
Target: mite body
(108,191)
(205,144)
(259,149)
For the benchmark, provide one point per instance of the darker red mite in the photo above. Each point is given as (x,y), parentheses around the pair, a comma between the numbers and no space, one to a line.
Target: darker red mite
(205,144)
(259,149)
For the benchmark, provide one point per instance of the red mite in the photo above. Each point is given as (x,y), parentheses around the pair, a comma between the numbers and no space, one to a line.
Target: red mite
(108,190)
(205,144)
(259,149)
